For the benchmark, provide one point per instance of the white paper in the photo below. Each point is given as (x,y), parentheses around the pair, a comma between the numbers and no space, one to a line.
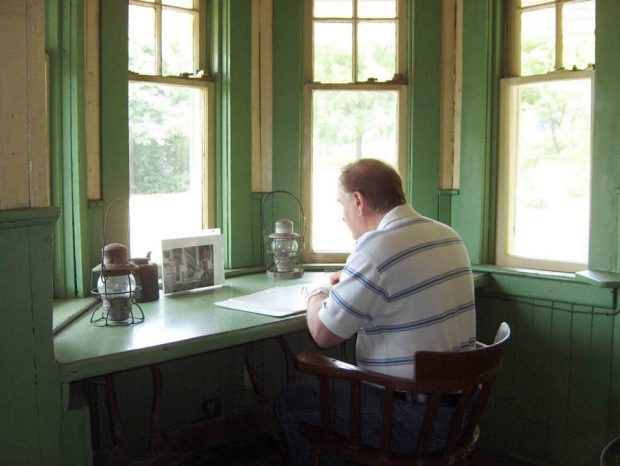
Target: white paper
(278,301)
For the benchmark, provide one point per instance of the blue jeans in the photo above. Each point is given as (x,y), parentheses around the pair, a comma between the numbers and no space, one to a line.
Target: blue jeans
(300,403)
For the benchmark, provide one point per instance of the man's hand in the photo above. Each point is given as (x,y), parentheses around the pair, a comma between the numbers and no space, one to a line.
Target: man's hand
(334,277)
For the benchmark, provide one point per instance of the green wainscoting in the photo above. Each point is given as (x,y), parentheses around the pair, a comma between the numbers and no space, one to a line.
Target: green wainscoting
(557,400)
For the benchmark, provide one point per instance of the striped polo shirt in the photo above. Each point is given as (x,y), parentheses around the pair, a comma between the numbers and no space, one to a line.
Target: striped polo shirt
(407,286)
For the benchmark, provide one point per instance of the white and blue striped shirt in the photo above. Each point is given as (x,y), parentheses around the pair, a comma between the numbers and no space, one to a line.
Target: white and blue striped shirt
(406,287)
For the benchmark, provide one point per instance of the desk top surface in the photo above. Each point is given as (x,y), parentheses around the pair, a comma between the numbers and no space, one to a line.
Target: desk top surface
(175,326)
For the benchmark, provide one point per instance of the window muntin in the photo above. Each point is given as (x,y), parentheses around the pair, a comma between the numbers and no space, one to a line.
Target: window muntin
(356,94)
(545,138)
(169,124)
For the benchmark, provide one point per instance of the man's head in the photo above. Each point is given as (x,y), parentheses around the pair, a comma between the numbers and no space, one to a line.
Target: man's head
(367,190)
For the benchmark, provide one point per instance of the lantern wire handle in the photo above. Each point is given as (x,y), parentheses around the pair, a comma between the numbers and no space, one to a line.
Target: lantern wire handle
(105,224)
(302,217)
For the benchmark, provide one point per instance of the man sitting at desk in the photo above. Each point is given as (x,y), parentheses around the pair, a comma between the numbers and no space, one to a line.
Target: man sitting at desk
(407,286)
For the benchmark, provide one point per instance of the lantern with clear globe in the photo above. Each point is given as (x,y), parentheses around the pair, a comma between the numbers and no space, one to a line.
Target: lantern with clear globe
(116,287)
(284,245)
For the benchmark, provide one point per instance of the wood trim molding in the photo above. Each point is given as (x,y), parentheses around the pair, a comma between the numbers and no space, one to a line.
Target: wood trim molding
(22,218)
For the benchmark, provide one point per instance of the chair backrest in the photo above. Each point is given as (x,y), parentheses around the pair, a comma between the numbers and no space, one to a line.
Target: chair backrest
(466,377)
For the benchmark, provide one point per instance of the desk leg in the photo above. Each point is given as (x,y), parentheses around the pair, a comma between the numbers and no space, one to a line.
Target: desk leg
(288,359)
(258,387)
(156,436)
(113,414)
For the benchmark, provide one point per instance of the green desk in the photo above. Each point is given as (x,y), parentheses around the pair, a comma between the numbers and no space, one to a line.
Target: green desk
(176,326)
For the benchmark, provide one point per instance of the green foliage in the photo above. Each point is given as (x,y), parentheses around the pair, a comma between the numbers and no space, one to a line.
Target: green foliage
(159,146)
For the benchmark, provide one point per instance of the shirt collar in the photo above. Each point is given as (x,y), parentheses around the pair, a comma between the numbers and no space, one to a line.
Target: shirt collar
(397,213)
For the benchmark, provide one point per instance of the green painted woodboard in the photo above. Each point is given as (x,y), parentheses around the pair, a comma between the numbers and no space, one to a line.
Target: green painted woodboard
(29,391)
(287,95)
(471,214)
(553,397)
(241,229)
(425,92)
(605,141)
(114,130)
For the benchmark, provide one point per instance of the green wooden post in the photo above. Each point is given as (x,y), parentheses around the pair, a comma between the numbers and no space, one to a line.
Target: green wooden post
(424,93)
(30,399)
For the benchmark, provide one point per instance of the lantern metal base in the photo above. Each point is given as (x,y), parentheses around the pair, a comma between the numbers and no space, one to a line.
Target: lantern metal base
(295,273)
(108,321)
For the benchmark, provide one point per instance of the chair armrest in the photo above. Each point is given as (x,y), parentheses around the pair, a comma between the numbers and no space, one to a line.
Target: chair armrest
(320,365)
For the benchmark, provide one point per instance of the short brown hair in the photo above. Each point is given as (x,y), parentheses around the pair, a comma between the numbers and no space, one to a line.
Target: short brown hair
(376,180)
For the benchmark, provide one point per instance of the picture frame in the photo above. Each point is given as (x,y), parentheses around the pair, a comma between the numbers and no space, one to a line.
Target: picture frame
(193,262)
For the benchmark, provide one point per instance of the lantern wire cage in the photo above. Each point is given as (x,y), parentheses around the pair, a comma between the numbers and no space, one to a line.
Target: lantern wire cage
(273,268)
(117,297)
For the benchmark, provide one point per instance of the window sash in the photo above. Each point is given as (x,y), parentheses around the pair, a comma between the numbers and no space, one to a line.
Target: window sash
(507,172)
(310,255)
(200,34)
(401,40)
(203,81)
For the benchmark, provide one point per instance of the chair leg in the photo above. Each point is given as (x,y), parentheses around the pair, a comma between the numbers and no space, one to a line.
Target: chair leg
(611,453)
(316,456)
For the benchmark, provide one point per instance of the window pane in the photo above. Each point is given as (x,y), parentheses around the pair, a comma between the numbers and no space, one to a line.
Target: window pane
(346,125)
(142,39)
(333,8)
(376,51)
(551,200)
(166,152)
(332,52)
(537,41)
(578,34)
(177,42)
(376,8)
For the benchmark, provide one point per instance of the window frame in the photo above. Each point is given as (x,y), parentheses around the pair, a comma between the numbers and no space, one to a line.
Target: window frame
(399,84)
(508,87)
(202,80)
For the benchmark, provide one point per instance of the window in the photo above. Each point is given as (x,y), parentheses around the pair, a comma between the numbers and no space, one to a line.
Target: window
(355,104)
(170,97)
(545,136)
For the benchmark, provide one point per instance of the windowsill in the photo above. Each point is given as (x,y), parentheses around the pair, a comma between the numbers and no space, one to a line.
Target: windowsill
(531,273)
(590,277)
(65,311)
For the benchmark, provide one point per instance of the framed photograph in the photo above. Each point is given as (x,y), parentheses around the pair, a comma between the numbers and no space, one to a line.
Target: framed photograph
(193,262)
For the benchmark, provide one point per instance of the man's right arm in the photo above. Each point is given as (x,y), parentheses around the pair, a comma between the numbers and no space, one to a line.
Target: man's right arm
(322,336)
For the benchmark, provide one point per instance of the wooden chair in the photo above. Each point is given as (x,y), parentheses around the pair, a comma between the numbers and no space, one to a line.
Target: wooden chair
(467,377)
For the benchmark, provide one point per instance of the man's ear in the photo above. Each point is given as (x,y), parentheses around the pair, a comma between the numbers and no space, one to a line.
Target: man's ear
(360,201)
